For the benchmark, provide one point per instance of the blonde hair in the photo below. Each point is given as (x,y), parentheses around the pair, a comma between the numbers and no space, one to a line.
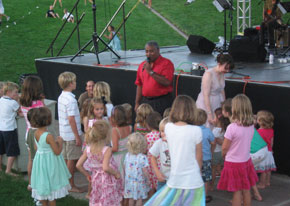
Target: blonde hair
(92,104)
(142,112)
(99,133)
(66,78)
(1,88)
(136,143)
(183,109)
(102,90)
(242,110)
(265,119)
(163,123)
(201,117)
(128,108)
(9,87)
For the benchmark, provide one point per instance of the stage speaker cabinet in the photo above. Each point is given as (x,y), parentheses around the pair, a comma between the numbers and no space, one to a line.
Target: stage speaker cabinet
(284,36)
(244,48)
(200,45)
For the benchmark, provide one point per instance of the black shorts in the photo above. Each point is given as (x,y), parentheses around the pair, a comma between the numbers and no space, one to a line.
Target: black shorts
(9,143)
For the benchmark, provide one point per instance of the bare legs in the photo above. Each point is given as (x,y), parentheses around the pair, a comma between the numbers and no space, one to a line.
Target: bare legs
(71,165)
(133,202)
(60,3)
(244,195)
(48,203)
(29,168)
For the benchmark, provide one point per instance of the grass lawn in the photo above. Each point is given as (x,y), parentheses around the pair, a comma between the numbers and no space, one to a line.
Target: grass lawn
(13,192)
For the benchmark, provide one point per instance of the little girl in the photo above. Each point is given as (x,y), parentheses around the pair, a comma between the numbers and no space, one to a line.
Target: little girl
(136,170)
(128,109)
(152,123)
(141,114)
(106,183)
(266,121)
(84,114)
(102,91)
(31,97)
(185,185)
(238,174)
(115,43)
(220,126)
(50,176)
(97,111)
(120,133)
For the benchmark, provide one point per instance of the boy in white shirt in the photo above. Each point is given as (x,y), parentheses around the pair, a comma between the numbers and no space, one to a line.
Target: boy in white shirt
(69,124)
(160,151)
(8,127)
(70,18)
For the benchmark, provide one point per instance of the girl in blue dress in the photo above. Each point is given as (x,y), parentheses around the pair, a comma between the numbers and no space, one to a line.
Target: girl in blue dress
(50,176)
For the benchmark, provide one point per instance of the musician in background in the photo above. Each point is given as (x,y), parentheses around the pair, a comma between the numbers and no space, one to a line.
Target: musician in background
(271,20)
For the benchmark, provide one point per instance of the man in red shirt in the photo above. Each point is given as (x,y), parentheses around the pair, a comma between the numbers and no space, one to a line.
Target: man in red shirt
(154,80)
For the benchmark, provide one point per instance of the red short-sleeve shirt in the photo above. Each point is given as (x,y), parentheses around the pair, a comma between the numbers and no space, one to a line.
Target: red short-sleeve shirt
(151,88)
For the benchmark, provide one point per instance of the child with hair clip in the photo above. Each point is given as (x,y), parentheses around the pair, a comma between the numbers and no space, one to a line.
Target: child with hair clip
(238,174)
(97,111)
(50,175)
(120,133)
(136,170)
(184,185)
(220,126)
(265,119)
(152,123)
(159,151)
(31,97)
(207,149)
(141,114)
(102,91)
(128,109)
(84,114)
(107,187)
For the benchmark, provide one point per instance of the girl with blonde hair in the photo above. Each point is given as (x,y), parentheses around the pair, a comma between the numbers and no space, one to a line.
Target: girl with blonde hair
(102,91)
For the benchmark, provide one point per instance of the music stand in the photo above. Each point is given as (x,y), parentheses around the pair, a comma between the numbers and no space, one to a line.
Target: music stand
(284,8)
(222,6)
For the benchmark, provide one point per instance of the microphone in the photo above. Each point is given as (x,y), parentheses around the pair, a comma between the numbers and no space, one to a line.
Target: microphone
(147,60)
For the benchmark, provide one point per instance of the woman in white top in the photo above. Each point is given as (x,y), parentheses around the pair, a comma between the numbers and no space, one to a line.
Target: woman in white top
(185,185)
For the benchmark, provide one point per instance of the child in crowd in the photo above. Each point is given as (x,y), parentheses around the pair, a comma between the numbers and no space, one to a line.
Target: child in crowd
(220,126)
(1,89)
(152,124)
(227,108)
(69,124)
(97,111)
(128,109)
(115,42)
(136,170)
(84,114)
(141,114)
(120,132)
(265,119)
(159,151)
(50,176)
(185,185)
(51,13)
(68,16)
(107,187)
(102,91)
(166,112)
(8,128)
(208,141)
(31,97)
(238,174)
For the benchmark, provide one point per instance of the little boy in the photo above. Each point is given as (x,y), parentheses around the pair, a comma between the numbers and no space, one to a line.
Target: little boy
(68,16)
(69,124)
(160,150)
(8,132)
(208,141)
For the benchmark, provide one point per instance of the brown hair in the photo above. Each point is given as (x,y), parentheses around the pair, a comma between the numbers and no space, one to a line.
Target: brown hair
(136,143)
(32,89)
(265,119)
(66,78)
(201,117)
(242,110)
(93,102)
(153,120)
(85,108)
(166,112)
(183,109)
(99,133)
(226,59)
(9,87)
(227,106)
(223,122)
(128,109)
(39,117)
(119,116)
(142,112)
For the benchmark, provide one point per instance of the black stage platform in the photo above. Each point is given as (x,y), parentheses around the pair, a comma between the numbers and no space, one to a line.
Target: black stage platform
(268,86)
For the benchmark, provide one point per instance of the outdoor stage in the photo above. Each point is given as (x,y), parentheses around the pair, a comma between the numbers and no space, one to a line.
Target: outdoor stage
(268,86)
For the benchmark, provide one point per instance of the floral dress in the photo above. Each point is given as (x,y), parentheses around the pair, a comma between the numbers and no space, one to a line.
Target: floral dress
(106,189)
(136,185)
(151,138)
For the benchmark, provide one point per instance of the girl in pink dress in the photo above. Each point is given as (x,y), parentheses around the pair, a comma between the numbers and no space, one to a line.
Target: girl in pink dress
(265,119)
(107,186)
(238,174)
(31,97)
(152,123)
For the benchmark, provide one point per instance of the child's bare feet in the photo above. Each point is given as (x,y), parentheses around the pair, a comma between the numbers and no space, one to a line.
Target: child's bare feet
(29,187)
(258,197)
(260,186)
(268,185)
(76,190)
(11,174)
(88,196)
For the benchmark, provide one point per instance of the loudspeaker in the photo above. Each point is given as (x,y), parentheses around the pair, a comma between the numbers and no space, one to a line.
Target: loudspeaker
(200,45)
(243,48)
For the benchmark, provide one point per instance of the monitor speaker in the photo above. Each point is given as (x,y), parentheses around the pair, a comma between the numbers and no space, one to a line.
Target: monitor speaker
(200,45)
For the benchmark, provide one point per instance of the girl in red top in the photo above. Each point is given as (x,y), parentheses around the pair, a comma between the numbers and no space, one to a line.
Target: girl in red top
(265,119)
